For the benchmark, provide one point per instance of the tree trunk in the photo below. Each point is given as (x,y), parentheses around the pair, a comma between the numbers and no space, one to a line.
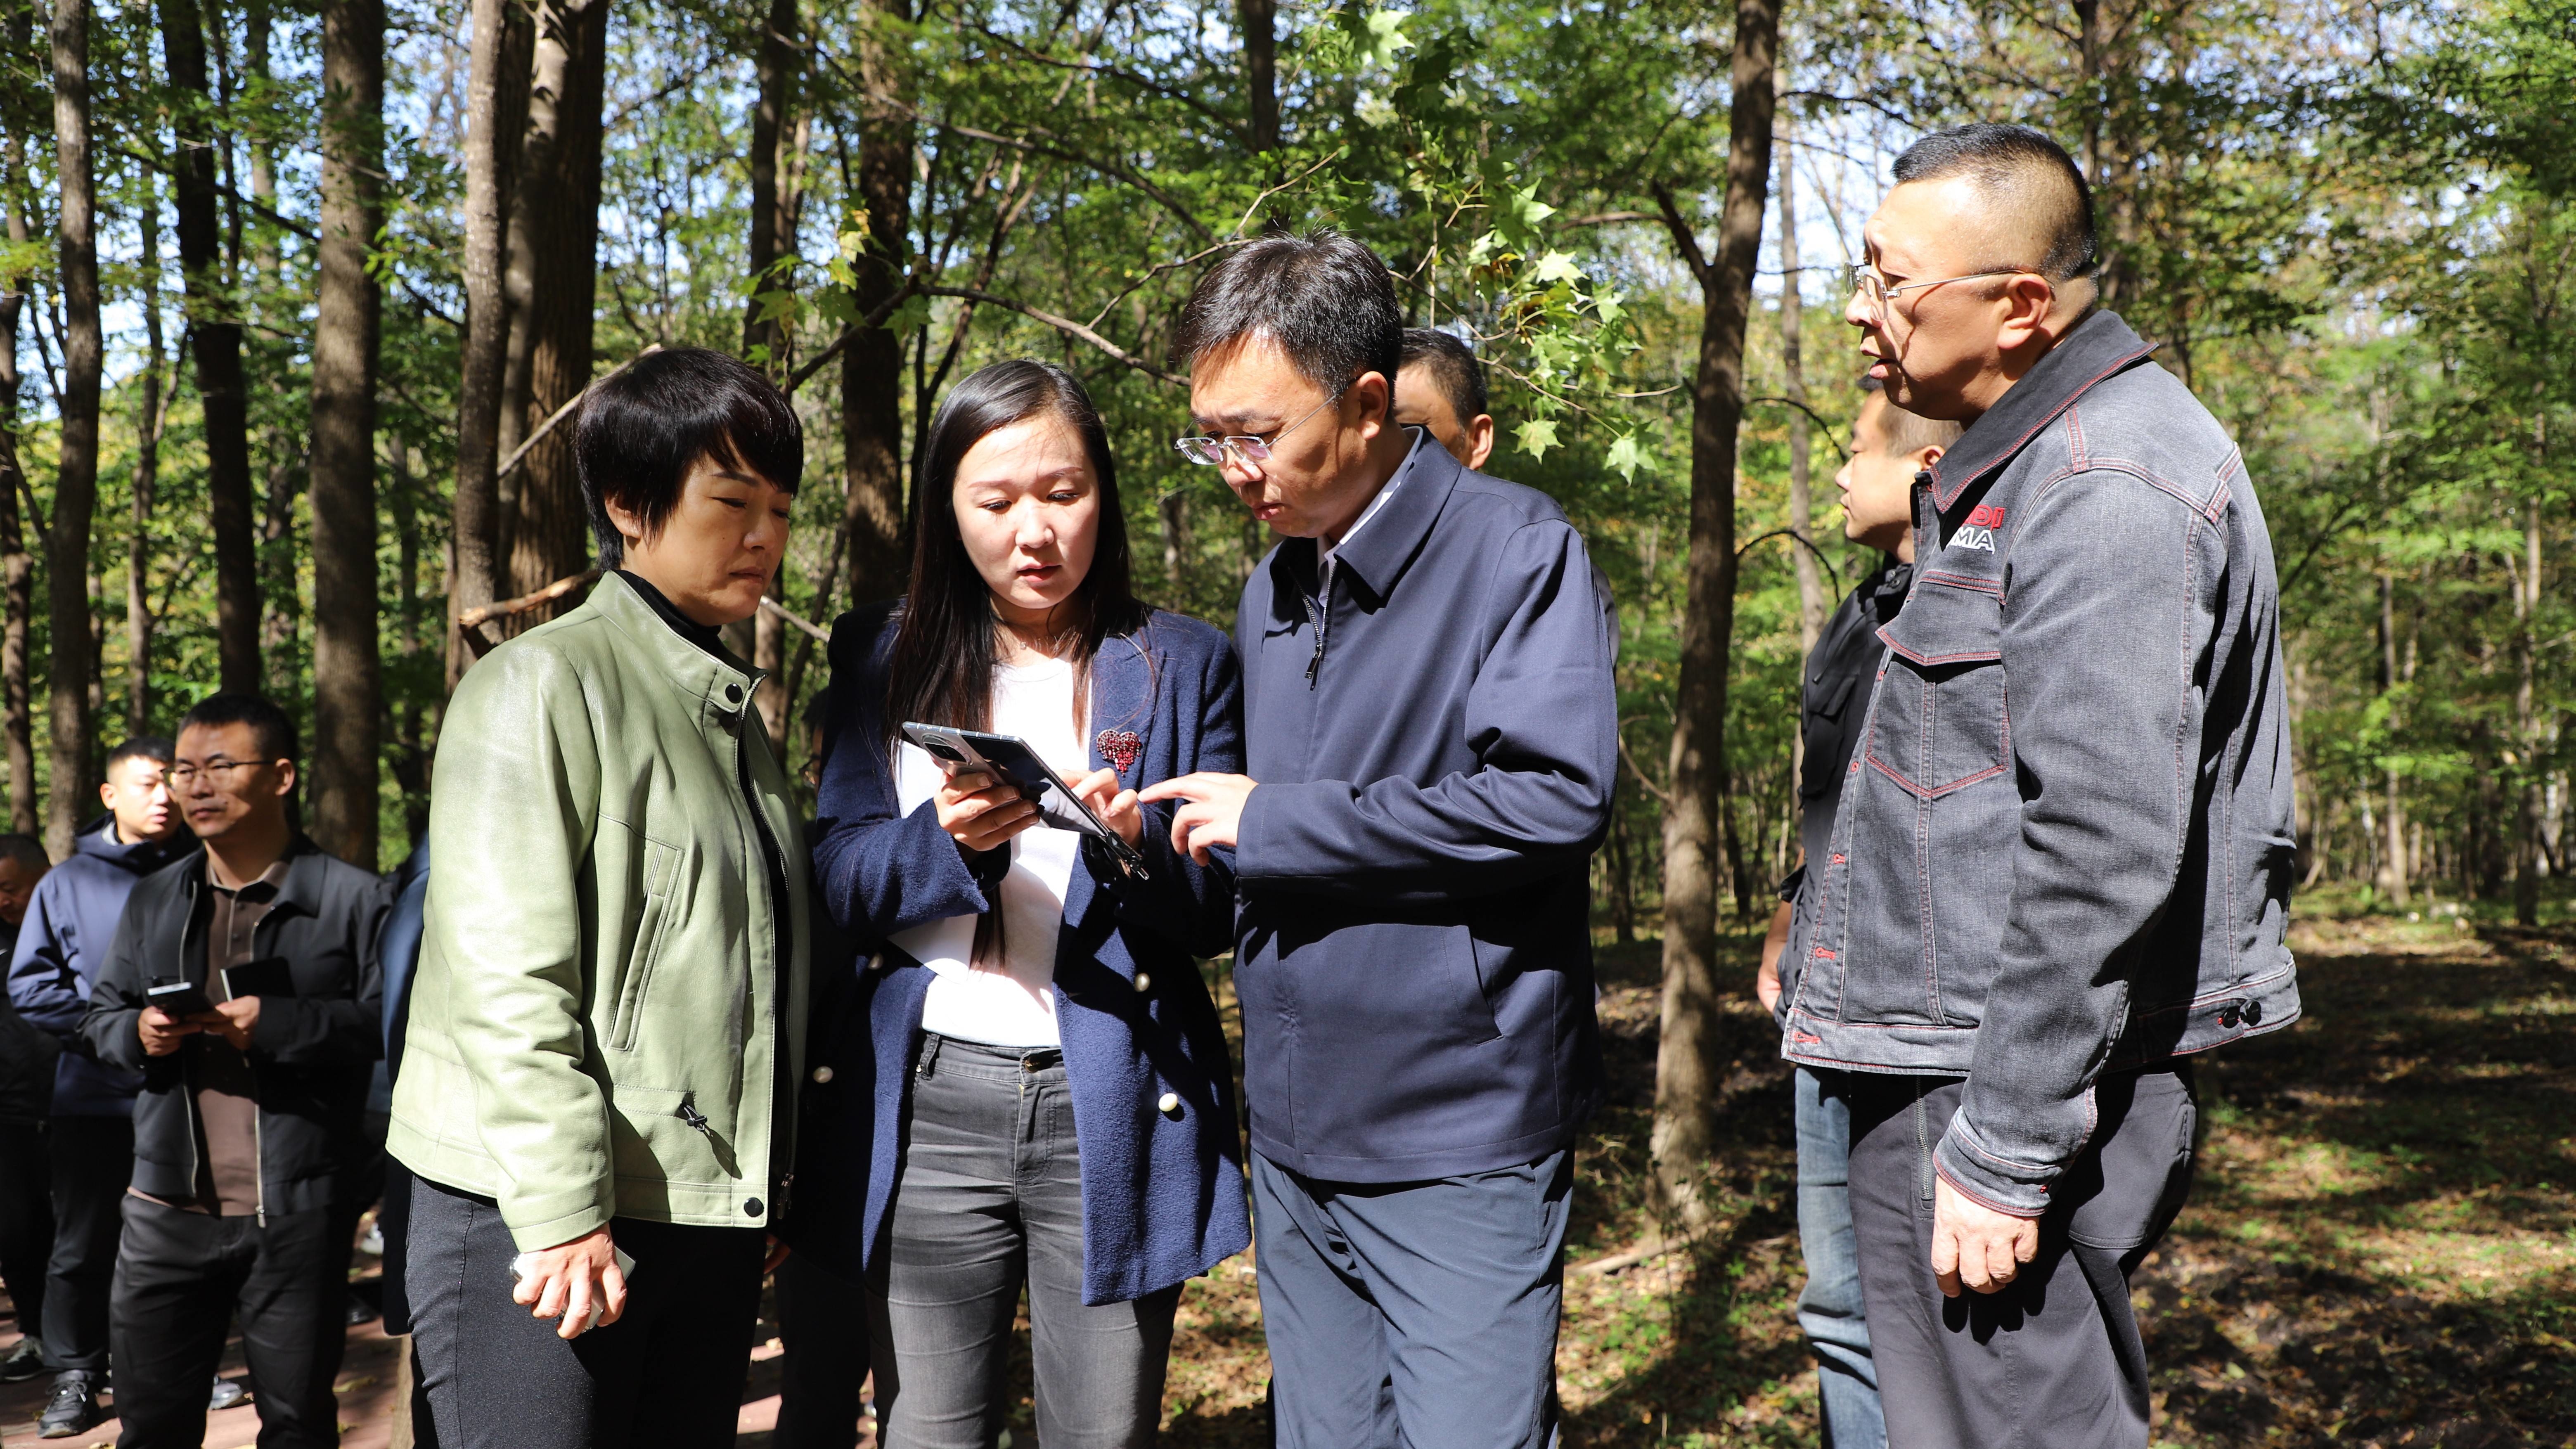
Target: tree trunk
(772,231)
(347,689)
(557,200)
(2392,877)
(476,519)
(872,367)
(1813,606)
(216,343)
(17,570)
(773,236)
(281,601)
(76,481)
(1688,1055)
(2527,855)
(147,476)
(1259,19)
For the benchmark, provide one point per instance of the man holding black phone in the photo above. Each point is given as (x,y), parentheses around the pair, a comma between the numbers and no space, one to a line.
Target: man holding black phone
(244,985)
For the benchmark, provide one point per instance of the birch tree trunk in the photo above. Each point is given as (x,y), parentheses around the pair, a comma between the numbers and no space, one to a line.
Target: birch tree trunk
(1688,1063)
(76,479)
(215,338)
(348,693)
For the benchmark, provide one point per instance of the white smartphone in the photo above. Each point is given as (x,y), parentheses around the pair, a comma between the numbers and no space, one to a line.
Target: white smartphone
(522,1264)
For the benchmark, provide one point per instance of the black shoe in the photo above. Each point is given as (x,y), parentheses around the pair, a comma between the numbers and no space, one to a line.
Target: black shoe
(24,1362)
(227,1395)
(73,1408)
(359,1311)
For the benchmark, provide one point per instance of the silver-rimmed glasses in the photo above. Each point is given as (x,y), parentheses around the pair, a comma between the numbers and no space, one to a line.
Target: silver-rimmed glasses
(1210,451)
(1874,290)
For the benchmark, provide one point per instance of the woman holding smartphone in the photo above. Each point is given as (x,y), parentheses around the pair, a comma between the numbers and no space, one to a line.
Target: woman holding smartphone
(1028,1084)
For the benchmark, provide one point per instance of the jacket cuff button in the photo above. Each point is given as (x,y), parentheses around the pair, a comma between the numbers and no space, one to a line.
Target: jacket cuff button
(751,1209)
(822,1075)
(1170,1105)
(733,694)
(1144,982)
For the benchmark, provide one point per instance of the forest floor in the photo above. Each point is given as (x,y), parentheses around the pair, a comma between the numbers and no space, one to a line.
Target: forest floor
(2380,1249)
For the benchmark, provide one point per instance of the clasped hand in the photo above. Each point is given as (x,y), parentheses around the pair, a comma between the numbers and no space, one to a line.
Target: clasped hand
(232,1020)
(981,814)
(1976,1245)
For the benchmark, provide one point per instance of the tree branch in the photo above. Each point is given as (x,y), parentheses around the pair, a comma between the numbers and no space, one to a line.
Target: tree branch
(558,415)
(1683,241)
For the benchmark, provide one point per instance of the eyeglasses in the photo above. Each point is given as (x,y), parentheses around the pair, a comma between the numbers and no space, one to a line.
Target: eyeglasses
(1875,291)
(217,769)
(1210,452)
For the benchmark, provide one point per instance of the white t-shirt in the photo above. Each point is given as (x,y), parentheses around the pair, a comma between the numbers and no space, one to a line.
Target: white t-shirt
(1011,1002)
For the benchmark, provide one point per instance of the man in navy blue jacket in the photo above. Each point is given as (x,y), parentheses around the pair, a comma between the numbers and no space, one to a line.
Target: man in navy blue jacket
(1429,731)
(70,925)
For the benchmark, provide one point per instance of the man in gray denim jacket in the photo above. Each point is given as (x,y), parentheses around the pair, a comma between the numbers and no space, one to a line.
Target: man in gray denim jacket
(2062,862)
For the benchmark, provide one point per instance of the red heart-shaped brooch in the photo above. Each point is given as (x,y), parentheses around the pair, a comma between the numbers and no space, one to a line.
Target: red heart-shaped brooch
(1119,748)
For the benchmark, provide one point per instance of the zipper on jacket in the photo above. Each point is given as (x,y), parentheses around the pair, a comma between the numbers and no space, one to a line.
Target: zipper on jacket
(1319,613)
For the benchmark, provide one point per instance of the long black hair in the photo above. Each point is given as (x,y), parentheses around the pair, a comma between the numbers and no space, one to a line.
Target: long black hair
(942,669)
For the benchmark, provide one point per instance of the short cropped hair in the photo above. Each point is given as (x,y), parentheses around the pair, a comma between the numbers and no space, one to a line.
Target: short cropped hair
(1328,302)
(28,851)
(2037,191)
(1453,365)
(142,747)
(1910,432)
(644,429)
(270,725)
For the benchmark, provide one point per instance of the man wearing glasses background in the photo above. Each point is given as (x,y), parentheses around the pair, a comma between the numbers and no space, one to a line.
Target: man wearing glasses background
(1428,716)
(249,1107)
(2061,865)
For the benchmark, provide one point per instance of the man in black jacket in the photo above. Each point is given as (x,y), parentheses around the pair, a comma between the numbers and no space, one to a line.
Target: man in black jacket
(249,1106)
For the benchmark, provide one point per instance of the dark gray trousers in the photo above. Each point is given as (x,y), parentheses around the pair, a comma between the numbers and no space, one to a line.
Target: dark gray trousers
(669,1372)
(1418,1315)
(991,1200)
(181,1277)
(90,1164)
(2054,1359)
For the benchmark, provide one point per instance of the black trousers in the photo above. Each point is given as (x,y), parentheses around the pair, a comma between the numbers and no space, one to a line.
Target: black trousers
(26,1220)
(2055,1357)
(823,1330)
(91,1160)
(668,1374)
(180,1278)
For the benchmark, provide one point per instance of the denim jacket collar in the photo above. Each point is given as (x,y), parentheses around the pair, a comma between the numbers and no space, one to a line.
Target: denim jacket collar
(2098,347)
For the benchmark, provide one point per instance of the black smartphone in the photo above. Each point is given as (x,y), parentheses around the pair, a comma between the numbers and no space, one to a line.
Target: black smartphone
(1010,759)
(179,998)
(267,976)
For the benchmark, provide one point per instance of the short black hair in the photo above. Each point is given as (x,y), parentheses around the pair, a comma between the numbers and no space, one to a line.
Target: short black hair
(642,430)
(2042,190)
(274,729)
(142,747)
(1328,302)
(27,850)
(1453,365)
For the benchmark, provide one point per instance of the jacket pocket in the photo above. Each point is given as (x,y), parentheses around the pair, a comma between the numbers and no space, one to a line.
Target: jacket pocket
(660,873)
(1941,721)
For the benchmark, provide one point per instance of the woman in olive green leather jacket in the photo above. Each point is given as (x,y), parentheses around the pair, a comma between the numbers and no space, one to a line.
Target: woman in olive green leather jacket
(605,1026)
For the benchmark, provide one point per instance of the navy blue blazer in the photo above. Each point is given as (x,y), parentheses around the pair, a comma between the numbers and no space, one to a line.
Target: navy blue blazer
(1435,764)
(1162,1192)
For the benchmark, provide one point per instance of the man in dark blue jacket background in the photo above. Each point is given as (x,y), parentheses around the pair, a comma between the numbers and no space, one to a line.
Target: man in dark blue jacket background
(70,925)
(1429,729)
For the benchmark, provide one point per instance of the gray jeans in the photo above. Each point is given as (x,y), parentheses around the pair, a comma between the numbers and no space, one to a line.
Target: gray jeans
(991,1200)
(2055,1358)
